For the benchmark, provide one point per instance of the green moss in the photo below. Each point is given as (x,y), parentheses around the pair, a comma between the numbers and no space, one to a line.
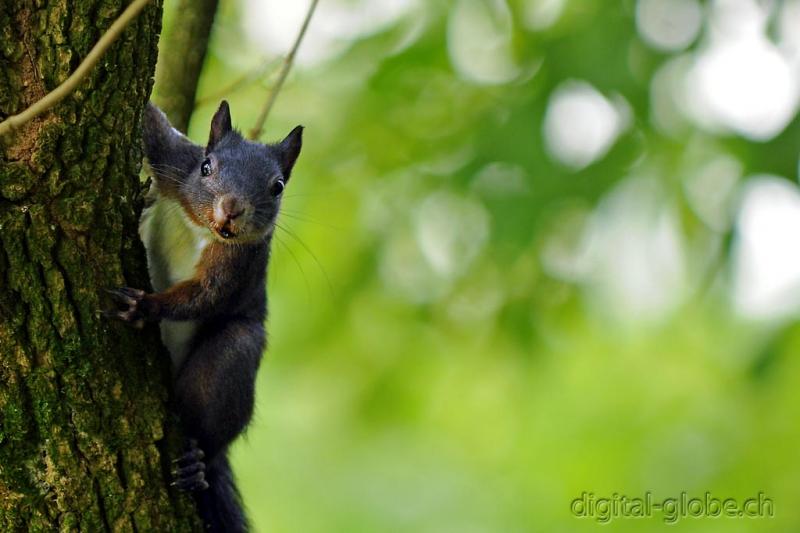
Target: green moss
(69,522)
(15,417)
(9,46)
(16,181)
(75,212)
(71,150)
(47,146)
(46,400)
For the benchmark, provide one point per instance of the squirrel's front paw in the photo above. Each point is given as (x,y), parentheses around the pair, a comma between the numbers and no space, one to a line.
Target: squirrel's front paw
(133,306)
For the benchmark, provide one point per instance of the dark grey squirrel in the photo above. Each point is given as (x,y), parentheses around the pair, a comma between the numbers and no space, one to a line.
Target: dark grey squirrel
(207,234)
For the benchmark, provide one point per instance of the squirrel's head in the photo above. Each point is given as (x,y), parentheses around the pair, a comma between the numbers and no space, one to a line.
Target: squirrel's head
(233,186)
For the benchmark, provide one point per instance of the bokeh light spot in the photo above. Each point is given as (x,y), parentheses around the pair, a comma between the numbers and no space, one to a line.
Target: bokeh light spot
(542,14)
(580,124)
(668,25)
(710,191)
(740,80)
(766,257)
(744,85)
(637,251)
(272,24)
(451,230)
(479,41)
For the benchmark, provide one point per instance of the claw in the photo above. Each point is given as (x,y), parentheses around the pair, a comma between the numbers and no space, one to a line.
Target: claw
(130,291)
(119,315)
(191,456)
(192,469)
(194,483)
(129,299)
(122,296)
(189,469)
(191,483)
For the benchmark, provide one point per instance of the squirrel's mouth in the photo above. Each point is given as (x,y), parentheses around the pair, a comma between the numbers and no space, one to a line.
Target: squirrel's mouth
(231,231)
(225,233)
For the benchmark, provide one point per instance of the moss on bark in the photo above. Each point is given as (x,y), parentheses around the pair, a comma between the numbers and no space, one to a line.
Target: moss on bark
(85,437)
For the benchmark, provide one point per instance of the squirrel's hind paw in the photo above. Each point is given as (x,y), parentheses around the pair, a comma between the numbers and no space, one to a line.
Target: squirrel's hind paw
(190,471)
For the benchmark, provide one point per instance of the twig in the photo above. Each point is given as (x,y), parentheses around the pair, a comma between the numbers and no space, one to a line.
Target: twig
(13,122)
(285,67)
(237,84)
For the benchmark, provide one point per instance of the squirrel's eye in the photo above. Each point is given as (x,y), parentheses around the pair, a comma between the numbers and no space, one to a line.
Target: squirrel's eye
(277,187)
(205,167)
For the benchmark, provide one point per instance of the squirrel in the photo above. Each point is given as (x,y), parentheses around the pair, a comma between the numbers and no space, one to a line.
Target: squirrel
(207,235)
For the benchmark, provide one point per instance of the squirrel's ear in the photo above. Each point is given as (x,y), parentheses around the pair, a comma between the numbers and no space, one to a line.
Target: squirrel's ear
(170,154)
(161,141)
(155,122)
(289,149)
(220,125)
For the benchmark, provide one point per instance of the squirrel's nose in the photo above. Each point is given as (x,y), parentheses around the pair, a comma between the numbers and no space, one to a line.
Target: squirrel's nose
(228,208)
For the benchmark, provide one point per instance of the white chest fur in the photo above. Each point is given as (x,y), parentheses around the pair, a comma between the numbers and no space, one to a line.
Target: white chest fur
(173,245)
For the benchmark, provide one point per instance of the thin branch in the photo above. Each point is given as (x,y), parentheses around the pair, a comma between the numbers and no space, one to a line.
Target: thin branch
(237,84)
(183,49)
(287,65)
(13,122)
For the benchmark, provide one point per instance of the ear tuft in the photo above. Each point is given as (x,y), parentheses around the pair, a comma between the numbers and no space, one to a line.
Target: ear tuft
(171,155)
(289,149)
(157,132)
(220,125)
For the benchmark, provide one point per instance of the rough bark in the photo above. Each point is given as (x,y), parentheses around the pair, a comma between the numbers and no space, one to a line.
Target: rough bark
(183,47)
(82,400)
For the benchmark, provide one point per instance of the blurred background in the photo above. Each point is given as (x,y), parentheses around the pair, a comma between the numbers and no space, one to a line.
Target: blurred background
(531,248)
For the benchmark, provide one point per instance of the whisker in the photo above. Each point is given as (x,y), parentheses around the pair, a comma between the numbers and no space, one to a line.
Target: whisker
(313,256)
(180,171)
(297,262)
(340,190)
(309,220)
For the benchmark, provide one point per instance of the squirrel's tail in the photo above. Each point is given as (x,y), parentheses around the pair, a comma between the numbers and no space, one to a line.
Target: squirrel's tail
(220,505)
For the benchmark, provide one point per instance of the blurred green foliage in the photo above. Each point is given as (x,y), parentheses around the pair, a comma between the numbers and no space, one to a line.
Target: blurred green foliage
(427,371)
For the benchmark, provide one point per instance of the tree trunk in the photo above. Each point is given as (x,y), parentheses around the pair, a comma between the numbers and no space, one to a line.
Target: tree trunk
(85,438)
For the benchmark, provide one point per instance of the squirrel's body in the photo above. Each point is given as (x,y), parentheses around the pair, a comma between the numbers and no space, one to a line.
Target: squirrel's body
(207,234)
(174,244)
